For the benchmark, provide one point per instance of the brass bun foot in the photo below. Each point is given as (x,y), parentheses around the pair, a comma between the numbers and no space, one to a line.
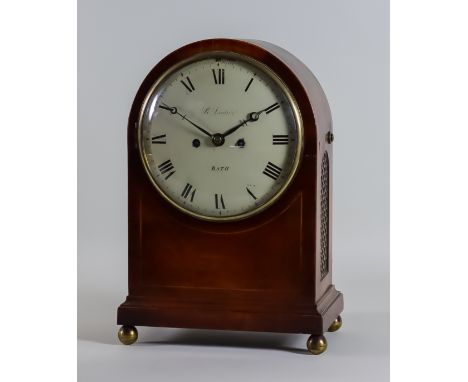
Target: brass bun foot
(316,344)
(128,334)
(335,324)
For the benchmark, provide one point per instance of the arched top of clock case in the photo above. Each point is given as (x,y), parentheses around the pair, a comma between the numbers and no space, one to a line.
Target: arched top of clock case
(307,91)
(305,88)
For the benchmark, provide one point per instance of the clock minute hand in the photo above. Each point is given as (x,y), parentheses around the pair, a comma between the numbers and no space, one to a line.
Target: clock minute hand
(174,110)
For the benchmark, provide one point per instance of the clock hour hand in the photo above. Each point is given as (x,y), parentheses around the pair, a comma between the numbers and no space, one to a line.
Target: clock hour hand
(251,118)
(174,110)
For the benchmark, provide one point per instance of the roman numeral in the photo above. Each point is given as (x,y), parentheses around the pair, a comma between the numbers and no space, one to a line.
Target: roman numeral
(281,139)
(219,202)
(251,193)
(159,139)
(218,79)
(186,192)
(269,109)
(272,170)
(166,167)
(248,85)
(189,86)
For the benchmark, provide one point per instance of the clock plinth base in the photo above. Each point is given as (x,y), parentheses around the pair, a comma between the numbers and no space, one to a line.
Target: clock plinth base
(128,334)
(314,319)
(336,325)
(317,344)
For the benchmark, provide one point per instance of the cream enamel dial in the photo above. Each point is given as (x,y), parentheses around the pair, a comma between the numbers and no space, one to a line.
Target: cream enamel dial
(220,136)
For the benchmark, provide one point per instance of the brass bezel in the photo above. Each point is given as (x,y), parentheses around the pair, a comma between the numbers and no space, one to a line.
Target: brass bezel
(297,116)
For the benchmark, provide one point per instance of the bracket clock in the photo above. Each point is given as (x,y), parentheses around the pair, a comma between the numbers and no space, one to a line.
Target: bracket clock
(230,195)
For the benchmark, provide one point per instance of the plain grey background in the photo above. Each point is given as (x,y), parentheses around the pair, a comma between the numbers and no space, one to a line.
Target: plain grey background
(346,44)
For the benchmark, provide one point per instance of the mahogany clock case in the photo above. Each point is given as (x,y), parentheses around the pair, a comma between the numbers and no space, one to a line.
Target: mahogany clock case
(270,272)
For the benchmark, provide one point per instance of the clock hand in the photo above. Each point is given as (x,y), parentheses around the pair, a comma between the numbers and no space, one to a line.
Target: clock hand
(252,117)
(174,110)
